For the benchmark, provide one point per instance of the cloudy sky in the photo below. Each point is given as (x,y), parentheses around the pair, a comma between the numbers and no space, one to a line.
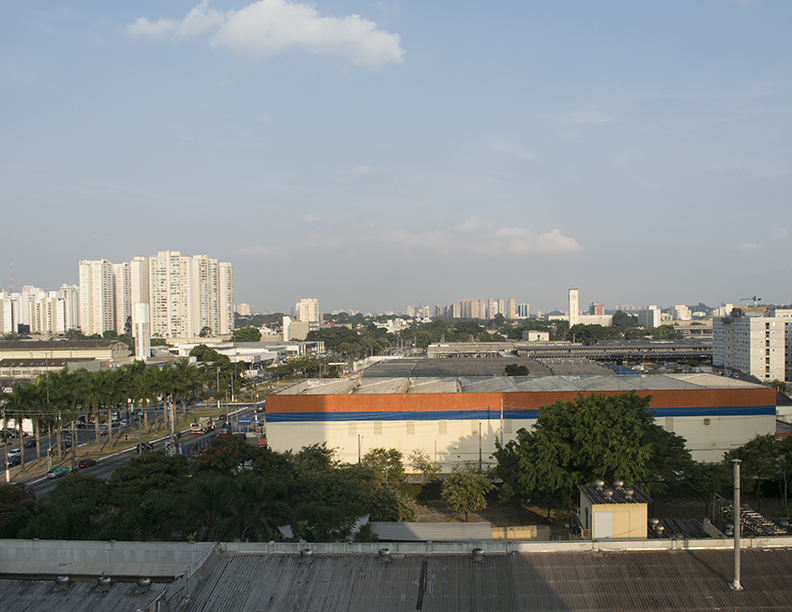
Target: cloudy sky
(380,154)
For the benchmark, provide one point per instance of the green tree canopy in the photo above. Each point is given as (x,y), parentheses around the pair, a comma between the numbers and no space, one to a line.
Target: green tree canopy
(466,489)
(246,334)
(595,436)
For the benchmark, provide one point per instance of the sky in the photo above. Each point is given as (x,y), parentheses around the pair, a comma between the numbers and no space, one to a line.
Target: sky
(375,155)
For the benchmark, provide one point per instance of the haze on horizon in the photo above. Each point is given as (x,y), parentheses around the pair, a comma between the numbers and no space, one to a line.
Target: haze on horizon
(380,154)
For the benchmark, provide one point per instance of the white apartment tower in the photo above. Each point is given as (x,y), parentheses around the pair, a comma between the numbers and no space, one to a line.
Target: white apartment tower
(574,307)
(142,331)
(752,343)
(307,309)
(97,296)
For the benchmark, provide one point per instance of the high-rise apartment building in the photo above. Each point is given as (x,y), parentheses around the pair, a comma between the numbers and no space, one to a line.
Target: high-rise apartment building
(307,309)
(523,310)
(649,317)
(185,295)
(750,341)
(97,296)
(511,309)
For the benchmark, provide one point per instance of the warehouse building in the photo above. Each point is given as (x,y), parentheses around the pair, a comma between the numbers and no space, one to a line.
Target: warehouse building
(457,419)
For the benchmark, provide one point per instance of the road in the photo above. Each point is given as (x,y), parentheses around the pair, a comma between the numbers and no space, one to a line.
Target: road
(106,465)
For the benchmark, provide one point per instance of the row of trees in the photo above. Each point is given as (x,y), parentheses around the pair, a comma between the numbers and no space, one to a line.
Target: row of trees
(55,400)
(234,491)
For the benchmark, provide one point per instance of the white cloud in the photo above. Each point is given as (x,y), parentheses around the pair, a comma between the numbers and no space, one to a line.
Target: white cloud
(362,170)
(778,232)
(474,224)
(512,149)
(748,247)
(259,250)
(473,237)
(268,27)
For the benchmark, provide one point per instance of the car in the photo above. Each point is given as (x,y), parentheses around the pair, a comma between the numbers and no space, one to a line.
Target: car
(14,460)
(86,463)
(30,443)
(57,472)
(145,446)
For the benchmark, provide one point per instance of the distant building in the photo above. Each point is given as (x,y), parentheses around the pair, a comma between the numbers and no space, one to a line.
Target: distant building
(142,331)
(649,317)
(681,313)
(511,309)
(536,336)
(243,310)
(523,311)
(750,341)
(595,308)
(307,310)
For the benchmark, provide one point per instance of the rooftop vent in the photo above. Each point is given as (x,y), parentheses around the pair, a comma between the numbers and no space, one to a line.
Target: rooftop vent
(306,555)
(599,484)
(143,585)
(608,493)
(653,522)
(659,529)
(384,555)
(103,584)
(478,555)
(629,492)
(61,583)
(618,484)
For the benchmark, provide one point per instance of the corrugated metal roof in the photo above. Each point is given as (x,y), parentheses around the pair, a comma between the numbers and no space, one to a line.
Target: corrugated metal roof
(433,532)
(505,384)
(615,495)
(79,597)
(650,581)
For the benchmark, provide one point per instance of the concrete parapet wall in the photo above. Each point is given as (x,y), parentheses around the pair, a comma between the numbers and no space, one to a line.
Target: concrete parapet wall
(92,558)
(497,548)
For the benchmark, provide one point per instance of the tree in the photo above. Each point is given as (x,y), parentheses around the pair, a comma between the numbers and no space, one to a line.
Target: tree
(226,455)
(516,370)
(761,460)
(573,443)
(246,334)
(466,489)
(420,461)
(386,466)
(707,479)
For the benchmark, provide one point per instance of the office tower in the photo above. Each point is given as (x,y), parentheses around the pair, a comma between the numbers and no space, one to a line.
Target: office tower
(523,310)
(649,317)
(243,309)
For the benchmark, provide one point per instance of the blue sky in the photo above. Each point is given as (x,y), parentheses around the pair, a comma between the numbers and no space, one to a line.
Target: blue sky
(380,154)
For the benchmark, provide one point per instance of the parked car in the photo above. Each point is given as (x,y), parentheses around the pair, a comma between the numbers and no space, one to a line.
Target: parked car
(86,463)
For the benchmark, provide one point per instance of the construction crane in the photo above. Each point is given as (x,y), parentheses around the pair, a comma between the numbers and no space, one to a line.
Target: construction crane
(755,299)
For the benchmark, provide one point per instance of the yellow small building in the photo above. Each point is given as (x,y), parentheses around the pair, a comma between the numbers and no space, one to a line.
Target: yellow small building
(618,512)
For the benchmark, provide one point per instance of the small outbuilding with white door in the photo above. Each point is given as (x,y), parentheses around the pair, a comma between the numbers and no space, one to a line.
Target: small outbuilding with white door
(615,512)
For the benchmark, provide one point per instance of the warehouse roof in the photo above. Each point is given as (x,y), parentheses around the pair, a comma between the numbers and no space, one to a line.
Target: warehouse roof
(501,384)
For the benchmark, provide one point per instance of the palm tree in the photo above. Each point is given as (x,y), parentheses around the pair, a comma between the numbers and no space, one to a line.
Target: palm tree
(144,386)
(92,392)
(188,382)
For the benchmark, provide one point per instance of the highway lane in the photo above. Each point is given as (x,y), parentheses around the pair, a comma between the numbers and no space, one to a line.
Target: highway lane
(105,466)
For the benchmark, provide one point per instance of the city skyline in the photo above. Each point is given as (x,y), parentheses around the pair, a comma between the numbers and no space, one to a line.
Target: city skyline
(377,155)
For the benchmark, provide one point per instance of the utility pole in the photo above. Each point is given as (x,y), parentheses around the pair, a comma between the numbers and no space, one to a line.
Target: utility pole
(5,439)
(737,526)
